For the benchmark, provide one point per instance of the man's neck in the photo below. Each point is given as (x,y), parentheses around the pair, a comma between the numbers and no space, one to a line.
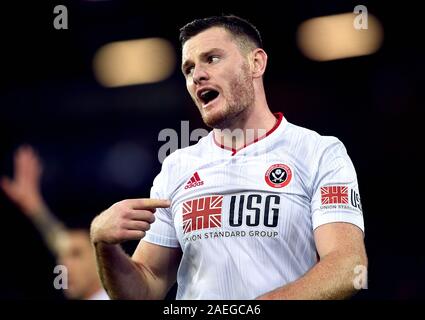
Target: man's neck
(249,127)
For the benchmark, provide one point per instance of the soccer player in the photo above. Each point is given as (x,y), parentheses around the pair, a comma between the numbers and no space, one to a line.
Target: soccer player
(259,208)
(71,247)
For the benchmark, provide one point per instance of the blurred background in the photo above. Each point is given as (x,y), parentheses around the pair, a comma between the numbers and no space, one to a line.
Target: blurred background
(93,109)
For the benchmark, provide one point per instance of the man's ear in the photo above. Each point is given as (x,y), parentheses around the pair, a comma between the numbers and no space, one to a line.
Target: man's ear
(258,62)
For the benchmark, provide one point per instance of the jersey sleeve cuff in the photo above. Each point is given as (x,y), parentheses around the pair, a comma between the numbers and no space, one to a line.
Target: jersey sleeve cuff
(356,219)
(161,240)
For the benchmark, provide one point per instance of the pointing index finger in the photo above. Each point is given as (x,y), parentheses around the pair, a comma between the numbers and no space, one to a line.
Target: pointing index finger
(148,204)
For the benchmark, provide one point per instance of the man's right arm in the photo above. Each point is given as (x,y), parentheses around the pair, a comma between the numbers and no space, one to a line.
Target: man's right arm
(143,277)
(151,272)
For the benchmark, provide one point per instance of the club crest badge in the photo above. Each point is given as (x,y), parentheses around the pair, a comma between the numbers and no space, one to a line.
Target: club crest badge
(278,175)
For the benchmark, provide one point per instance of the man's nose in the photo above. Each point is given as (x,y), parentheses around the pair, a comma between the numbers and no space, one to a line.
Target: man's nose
(199,75)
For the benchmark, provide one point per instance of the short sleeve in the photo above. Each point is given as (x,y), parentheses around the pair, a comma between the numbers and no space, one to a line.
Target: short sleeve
(162,231)
(336,195)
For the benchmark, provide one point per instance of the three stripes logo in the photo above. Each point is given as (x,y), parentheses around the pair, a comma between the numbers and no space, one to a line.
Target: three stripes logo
(194,181)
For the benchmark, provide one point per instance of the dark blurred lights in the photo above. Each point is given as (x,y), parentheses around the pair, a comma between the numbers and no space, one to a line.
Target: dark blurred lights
(335,37)
(133,62)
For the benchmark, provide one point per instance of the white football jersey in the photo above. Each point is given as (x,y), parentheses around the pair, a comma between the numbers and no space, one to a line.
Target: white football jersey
(245,219)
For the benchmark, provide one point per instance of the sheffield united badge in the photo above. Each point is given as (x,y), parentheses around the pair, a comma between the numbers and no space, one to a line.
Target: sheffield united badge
(278,175)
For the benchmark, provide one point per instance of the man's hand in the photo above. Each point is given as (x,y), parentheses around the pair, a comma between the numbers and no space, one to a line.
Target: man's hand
(24,189)
(125,220)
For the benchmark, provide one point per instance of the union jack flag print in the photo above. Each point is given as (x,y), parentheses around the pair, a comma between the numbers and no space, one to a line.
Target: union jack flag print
(334,194)
(202,213)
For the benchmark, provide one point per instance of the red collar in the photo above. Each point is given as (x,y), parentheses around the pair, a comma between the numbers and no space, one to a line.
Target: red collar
(279,117)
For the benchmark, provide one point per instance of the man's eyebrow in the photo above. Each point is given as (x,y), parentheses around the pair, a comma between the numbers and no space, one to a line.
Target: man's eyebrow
(213,50)
(203,55)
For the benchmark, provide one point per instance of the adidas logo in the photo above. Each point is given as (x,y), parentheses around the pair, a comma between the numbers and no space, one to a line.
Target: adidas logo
(194,181)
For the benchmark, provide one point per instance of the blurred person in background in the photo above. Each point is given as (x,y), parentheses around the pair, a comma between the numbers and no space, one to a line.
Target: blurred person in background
(71,247)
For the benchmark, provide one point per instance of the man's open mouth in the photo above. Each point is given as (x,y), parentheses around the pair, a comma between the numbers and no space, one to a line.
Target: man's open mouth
(206,96)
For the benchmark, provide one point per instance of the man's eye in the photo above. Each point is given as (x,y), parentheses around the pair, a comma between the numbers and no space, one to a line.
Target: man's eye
(213,59)
(189,70)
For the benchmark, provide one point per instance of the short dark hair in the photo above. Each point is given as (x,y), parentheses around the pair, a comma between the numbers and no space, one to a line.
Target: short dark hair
(238,27)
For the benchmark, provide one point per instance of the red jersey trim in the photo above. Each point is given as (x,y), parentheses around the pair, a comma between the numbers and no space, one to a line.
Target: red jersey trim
(278,115)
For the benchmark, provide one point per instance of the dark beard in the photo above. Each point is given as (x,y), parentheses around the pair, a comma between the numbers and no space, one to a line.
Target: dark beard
(226,121)
(242,91)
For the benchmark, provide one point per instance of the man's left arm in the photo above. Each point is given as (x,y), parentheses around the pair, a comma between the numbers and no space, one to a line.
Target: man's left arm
(341,249)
